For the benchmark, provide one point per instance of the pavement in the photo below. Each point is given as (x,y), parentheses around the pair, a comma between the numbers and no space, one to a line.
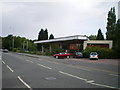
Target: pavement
(36,71)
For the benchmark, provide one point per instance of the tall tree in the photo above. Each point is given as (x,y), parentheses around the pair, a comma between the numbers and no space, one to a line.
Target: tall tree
(41,35)
(100,35)
(117,39)
(51,36)
(111,22)
(46,34)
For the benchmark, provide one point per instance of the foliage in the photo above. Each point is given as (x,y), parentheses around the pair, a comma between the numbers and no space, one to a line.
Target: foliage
(117,39)
(7,43)
(92,37)
(14,49)
(43,35)
(51,36)
(56,49)
(80,47)
(111,22)
(102,52)
(100,35)
(46,34)
(113,31)
(48,53)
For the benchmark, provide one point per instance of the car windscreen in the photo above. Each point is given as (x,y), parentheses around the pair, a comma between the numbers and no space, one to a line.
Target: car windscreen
(93,53)
(78,53)
(61,53)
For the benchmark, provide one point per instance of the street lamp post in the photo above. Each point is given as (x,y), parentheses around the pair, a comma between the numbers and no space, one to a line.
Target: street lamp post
(25,44)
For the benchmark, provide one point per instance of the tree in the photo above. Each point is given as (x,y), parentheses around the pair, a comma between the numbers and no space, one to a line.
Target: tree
(100,35)
(43,35)
(111,22)
(117,39)
(46,34)
(51,36)
(92,37)
(7,42)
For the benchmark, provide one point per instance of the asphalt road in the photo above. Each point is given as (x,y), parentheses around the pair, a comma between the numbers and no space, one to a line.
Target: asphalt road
(33,71)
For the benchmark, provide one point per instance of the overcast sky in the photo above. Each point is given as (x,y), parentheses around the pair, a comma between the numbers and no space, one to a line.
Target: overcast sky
(61,18)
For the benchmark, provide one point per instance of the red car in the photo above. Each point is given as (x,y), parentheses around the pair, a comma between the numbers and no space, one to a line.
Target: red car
(62,55)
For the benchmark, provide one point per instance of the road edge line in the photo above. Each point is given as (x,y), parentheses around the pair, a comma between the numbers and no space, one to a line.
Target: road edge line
(24,83)
(10,69)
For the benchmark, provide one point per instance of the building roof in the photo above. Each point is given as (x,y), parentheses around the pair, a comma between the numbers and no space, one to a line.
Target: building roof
(76,37)
(99,41)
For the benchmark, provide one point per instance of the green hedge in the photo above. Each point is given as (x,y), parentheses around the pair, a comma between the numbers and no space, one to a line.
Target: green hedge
(104,53)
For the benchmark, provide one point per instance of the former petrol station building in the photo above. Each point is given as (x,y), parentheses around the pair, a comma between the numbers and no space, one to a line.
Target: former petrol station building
(72,42)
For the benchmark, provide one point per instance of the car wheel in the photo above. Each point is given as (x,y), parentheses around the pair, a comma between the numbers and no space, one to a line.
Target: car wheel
(57,57)
(68,56)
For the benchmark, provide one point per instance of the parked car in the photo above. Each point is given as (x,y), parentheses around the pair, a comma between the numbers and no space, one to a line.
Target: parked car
(77,55)
(93,55)
(5,50)
(62,55)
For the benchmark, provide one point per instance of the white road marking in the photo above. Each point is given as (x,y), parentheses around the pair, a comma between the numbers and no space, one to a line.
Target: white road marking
(43,66)
(10,69)
(24,83)
(114,75)
(51,61)
(27,60)
(104,85)
(90,82)
(73,76)
(40,59)
(30,61)
(3,62)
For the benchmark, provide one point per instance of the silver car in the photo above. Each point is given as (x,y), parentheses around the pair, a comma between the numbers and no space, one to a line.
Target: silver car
(94,55)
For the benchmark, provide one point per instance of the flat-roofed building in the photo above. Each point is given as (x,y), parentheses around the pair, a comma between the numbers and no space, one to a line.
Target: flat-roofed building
(66,43)
(72,42)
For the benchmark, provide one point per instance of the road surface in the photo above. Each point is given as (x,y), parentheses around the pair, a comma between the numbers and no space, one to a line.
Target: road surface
(33,71)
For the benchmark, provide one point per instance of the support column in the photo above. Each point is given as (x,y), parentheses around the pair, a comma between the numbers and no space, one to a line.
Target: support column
(50,47)
(84,45)
(60,44)
(42,49)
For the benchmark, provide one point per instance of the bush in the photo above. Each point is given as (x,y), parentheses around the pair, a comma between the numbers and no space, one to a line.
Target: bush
(104,53)
(14,50)
(47,53)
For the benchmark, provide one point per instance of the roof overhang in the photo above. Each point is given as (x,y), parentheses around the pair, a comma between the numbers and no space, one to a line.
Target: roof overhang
(77,37)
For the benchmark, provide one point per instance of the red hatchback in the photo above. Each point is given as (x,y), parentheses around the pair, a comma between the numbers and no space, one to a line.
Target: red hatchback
(62,55)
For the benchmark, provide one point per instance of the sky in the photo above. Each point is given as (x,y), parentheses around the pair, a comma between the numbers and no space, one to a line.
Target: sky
(61,17)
